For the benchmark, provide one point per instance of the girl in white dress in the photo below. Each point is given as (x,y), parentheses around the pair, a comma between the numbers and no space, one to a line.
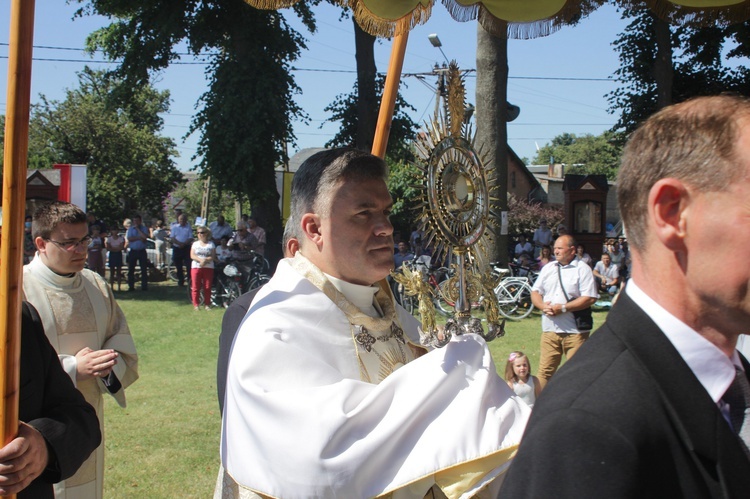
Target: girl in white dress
(519,378)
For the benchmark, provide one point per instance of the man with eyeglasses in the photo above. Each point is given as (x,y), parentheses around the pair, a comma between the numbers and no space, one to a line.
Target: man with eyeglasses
(83,323)
(243,243)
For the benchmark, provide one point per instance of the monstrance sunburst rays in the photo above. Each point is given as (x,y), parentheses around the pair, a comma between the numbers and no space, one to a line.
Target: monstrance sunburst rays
(458,214)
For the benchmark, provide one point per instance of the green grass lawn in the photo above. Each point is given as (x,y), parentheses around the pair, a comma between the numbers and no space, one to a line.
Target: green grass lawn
(166,442)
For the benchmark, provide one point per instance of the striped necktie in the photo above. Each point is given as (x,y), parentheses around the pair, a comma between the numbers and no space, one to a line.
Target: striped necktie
(738,398)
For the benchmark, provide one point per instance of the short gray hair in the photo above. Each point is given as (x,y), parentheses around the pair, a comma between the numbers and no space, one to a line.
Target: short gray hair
(316,178)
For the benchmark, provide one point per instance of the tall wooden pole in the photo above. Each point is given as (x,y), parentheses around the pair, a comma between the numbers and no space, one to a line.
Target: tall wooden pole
(390,92)
(14,207)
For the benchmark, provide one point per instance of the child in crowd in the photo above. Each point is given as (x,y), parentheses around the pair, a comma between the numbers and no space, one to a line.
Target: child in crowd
(115,244)
(95,258)
(517,374)
(223,252)
(545,257)
(160,235)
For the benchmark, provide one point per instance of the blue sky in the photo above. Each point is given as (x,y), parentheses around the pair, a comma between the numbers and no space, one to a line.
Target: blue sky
(559,81)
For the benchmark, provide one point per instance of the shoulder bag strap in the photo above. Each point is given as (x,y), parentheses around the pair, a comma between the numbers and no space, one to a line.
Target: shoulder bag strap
(559,275)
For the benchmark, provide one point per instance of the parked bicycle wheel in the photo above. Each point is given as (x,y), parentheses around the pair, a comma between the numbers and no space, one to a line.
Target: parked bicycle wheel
(514,299)
(443,304)
(258,281)
(406,301)
(230,292)
(172,273)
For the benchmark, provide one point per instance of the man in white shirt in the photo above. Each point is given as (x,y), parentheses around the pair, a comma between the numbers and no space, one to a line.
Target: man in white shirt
(562,288)
(523,247)
(647,406)
(181,235)
(329,393)
(542,237)
(220,229)
(606,275)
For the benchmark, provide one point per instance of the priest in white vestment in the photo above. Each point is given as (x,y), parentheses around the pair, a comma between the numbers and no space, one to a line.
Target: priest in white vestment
(83,323)
(329,393)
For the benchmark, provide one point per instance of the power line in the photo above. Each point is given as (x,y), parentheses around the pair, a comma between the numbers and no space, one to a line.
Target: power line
(75,49)
(467,72)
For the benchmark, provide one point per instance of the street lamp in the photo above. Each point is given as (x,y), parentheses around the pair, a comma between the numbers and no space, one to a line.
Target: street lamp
(435,41)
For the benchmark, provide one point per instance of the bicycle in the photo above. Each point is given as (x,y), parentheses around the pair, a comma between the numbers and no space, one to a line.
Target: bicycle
(434,278)
(514,298)
(227,286)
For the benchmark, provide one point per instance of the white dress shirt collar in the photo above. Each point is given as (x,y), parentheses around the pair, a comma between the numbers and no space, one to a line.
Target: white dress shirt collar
(711,366)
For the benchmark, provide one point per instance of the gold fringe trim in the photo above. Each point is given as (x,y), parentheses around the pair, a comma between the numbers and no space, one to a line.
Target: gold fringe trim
(570,13)
(271,4)
(387,28)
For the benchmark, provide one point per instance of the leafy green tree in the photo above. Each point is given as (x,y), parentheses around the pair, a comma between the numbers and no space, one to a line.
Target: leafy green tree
(584,155)
(36,160)
(130,164)
(403,186)
(190,195)
(346,109)
(662,64)
(246,116)
(523,217)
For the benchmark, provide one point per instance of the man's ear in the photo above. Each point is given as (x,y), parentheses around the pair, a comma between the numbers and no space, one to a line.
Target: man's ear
(40,244)
(668,203)
(311,228)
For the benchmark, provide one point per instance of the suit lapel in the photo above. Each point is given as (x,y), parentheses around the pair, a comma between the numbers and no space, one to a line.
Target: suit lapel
(695,416)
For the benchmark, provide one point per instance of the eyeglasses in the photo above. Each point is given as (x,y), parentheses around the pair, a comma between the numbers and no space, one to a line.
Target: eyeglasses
(72,245)
(202,232)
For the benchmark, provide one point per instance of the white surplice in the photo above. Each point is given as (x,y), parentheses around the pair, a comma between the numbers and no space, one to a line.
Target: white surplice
(80,311)
(310,412)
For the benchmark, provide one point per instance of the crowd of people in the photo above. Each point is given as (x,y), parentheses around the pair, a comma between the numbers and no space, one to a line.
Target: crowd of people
(610,273)
(327,391)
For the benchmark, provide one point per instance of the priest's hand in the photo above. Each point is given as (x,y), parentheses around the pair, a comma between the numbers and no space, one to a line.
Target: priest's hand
(22,460)
(95,363)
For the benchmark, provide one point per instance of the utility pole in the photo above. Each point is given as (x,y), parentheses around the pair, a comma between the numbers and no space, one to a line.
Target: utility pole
(441,91)
(206,199)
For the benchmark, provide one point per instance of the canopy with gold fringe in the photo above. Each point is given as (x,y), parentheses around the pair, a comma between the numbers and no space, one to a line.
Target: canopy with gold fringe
(518,19)
(522,19)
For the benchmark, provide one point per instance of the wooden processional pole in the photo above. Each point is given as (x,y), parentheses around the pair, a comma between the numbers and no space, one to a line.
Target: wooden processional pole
(390,92)
(14,207)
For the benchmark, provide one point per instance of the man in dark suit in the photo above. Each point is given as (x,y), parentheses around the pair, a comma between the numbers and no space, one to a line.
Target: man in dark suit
(643,409)
(58,428)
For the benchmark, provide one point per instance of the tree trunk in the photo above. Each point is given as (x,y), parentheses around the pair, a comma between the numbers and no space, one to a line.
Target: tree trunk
(367,101)
(491,115)
(268,216)
(663,69)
